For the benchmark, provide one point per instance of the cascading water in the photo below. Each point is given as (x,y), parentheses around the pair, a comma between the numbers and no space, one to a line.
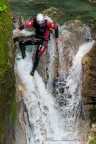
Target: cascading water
(70,102)
(48,122)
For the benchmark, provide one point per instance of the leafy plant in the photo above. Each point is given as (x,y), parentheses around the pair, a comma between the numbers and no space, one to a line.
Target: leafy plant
(3,8)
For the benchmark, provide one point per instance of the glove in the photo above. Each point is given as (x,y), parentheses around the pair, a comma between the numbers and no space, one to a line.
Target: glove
(41,50)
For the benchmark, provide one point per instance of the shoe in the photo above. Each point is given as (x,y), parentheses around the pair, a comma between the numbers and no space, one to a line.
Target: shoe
(32,73)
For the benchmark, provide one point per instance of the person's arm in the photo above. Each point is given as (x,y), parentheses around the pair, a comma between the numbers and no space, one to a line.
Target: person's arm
(53,26)
(27,24)
(56,31)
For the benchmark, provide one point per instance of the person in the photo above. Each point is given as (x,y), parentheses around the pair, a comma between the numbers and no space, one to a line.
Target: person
(42,26)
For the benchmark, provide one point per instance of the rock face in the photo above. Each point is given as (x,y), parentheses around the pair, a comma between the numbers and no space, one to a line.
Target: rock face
(7,80)
(89,83)
(73,34)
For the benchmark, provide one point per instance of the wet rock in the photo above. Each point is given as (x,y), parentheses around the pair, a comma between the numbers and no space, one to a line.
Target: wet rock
(22,115)
(72,35)
(61,90)
(69,96)
(89,80)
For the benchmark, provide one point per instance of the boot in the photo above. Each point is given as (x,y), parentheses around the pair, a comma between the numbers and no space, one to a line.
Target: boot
(32,73)
(22,48)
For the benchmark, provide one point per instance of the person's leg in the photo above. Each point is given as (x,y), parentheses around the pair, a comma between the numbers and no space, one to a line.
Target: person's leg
(43,48)
(22,48)
(44,43)
(36,61)
(39,52)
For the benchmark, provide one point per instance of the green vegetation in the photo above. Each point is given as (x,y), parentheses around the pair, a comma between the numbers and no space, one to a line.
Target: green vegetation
(3,7)
(72,9)
(93,140)
(7,81)
(5,33)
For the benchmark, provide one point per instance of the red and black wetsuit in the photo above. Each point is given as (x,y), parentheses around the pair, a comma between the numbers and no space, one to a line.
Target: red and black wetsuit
(42,31)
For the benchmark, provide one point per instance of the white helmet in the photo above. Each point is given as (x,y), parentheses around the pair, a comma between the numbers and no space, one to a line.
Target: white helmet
(40,18)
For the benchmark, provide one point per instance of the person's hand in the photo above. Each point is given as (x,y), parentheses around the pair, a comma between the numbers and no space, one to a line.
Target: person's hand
(17,30)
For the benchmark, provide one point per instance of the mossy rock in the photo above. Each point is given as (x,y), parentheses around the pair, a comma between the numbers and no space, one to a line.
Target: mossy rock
(7,79)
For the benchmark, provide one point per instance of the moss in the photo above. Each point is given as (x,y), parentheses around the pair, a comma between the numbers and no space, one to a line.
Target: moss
(7,81)
(93,115)
(13,113)
(93,140)
(5,33)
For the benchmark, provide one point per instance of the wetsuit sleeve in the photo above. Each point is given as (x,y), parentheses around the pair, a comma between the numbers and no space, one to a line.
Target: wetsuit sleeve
(56,32)
(53,26)
(27,24)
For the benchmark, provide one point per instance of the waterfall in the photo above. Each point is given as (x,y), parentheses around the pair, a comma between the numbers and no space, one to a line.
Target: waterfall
(70,99)
(49,119)
(40,106)
(51,59)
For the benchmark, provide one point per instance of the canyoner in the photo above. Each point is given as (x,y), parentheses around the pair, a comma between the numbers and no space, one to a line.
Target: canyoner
(43,26)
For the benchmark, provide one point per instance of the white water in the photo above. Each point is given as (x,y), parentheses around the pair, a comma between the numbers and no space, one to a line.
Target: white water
(73,108)
(43,116)
(45,122)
